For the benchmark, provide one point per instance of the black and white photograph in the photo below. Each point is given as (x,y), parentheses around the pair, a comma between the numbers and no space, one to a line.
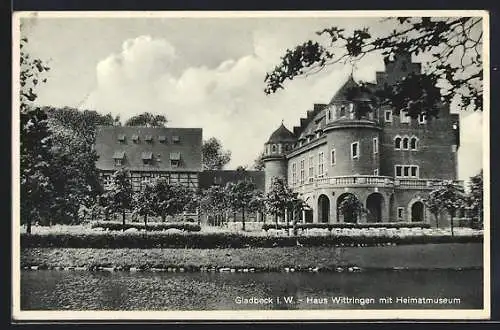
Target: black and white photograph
(307,165)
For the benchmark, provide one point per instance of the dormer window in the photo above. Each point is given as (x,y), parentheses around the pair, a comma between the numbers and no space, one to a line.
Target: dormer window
(118,157)
(175,159)
(422,119)
(147,158)
(175,139)
(162,139)
(342,112)
(388,116)
(121,137)
(148,138)
(403,117)
(274,148)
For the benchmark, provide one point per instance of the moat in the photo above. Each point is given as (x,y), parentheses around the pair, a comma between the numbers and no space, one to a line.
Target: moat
(416,289)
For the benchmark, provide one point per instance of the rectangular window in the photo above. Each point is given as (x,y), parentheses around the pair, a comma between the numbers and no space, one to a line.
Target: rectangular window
(355,150)
(302,171)
(320,164)
(118,162)
(375,145)
(375,172)
(294,173)
(176,139)
(311,168)
(332,157)
(388,116)
(398,171)
(414,171)
(406,171)
(400,213)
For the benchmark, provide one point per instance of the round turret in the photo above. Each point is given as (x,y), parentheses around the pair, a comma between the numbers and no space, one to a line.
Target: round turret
(353,131)
(280,143)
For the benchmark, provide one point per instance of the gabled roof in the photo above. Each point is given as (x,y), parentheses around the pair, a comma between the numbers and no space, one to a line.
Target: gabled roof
(188,147)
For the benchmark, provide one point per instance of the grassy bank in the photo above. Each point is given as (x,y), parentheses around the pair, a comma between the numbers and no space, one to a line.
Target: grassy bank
(420,256)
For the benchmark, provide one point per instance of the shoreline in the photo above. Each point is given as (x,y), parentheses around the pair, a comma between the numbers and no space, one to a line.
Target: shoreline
(288,259)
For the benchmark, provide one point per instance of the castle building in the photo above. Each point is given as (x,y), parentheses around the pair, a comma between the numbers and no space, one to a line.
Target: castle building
(388,161)
(150,153)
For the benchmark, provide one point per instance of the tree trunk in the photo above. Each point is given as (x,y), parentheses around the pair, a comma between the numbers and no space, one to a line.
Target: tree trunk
(163,217)
(123,220)
(437,220)
(276,220)
(243,218)
(287,219)
(451,217)
(28,225)
(145,222)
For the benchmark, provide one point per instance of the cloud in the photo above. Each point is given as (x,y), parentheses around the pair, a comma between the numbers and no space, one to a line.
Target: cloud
(226,100)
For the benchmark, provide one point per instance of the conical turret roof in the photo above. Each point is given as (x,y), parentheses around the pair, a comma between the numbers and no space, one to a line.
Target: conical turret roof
(341,94)
(282,134)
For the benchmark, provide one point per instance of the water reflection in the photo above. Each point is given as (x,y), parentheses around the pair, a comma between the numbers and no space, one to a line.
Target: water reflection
(73,290)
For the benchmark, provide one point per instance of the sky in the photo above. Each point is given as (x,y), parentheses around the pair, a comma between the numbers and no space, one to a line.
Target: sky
(202,72)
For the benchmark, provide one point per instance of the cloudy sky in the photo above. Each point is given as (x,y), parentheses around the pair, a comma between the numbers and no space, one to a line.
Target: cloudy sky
(200,72)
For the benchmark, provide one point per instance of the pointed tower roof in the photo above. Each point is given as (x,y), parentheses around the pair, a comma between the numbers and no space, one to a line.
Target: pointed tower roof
(342,92)
(282,134)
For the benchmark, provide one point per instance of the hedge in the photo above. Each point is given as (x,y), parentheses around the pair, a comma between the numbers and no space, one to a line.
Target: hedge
(155,226)
(221,240)
(330,226)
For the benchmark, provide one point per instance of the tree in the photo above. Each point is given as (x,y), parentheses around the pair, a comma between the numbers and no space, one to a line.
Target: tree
(35,143)
(240,196)
(213,202)
(82,123)
(295,205)
(451,198)
(120,194)
(476,195)
(257,203)
(213,156)
(259,163)
(143,203)
(452,45)
(147,119)
(434,204)
(351,207)
(169,199)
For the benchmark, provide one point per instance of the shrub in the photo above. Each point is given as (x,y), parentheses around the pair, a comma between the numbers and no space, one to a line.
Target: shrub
(155,226)
(220,240)
(330,226)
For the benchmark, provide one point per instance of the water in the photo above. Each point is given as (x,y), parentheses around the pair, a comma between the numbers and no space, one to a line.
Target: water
(83,290)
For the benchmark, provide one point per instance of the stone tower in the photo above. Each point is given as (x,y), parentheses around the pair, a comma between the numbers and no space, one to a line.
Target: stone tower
(276,148)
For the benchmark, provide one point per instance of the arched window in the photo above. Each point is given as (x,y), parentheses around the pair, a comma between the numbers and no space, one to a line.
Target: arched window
(405,143)
(397,143)
(273,148)
(414,143)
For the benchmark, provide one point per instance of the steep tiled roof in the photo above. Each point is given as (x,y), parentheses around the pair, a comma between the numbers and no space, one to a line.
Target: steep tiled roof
(188,147)
(221,177)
